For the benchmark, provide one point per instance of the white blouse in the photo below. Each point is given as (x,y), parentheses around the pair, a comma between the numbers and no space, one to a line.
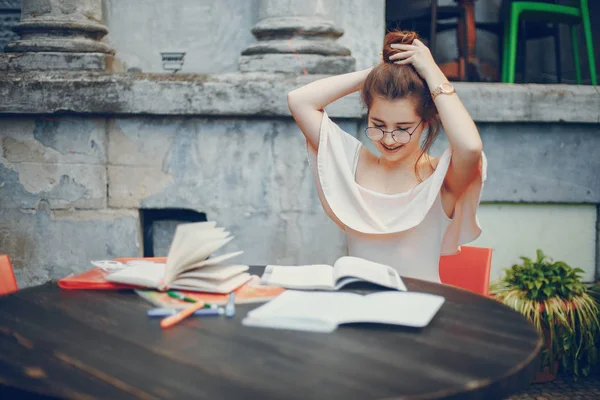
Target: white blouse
(409,230)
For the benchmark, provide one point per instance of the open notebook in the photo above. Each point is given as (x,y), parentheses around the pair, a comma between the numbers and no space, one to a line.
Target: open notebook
(344,271)
(324,311)
(188,266)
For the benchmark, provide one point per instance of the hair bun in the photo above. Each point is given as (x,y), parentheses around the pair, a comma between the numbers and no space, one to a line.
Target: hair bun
(396,37)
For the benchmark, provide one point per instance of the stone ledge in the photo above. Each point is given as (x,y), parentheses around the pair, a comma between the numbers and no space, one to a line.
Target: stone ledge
(263,94)
(53,61)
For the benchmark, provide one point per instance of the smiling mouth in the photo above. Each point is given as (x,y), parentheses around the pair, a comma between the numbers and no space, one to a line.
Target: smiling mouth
(391,149)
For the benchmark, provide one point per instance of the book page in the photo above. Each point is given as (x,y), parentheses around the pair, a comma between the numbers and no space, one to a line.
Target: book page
(214,272)
(215,260)
(202,285)
(190,256)
(183,233)
(144,274)
(412,309)
(346,268)
(318,276)
(187,239)
(301,310)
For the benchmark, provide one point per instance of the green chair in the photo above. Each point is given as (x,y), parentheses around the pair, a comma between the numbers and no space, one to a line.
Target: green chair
(550,12)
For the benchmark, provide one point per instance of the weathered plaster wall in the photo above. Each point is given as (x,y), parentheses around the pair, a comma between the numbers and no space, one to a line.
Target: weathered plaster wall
(47,244)
(60,160)
(72,186)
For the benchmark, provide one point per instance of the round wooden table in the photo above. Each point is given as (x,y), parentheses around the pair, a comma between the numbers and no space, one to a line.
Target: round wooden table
(94,344)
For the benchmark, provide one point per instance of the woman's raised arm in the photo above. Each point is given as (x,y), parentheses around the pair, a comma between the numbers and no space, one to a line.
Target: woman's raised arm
(459,126)
(307,102)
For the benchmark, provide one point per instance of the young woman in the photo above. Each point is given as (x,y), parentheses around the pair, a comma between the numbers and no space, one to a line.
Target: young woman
(403,208)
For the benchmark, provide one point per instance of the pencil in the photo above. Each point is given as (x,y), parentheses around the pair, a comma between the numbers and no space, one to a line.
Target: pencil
(186,312)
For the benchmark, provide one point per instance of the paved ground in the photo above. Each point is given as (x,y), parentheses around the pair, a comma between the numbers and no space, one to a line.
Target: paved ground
(583,389)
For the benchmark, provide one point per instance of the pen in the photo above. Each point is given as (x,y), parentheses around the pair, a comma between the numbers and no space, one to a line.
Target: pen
(230,307)
(165,312)
(181,315)
(180,296)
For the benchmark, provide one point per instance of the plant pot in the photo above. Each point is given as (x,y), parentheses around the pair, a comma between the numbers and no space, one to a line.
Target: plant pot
(544,373)
(552,296)
(543,376)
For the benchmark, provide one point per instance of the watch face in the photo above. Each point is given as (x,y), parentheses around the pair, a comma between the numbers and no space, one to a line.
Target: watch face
(446,87)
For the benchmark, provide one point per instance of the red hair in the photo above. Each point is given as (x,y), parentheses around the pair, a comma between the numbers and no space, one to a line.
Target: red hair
(393,82)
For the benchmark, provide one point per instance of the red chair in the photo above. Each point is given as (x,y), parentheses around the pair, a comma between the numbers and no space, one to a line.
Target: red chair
(468,270)
(8,283)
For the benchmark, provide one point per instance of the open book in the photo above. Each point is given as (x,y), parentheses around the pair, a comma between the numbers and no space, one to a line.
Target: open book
(324,311)
(188,266)
(326,277)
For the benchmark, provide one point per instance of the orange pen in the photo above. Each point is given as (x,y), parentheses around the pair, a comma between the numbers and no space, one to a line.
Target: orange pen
(186,312)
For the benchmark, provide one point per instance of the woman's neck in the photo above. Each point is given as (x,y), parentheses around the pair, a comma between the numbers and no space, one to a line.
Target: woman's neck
(405,164)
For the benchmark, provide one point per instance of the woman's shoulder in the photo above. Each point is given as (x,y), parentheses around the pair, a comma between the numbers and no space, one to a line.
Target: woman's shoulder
(427,165)
(367,156)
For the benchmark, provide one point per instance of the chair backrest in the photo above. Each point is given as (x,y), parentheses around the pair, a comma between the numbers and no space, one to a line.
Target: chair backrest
(8,283)
(505,6)
(468,270)
(400,10)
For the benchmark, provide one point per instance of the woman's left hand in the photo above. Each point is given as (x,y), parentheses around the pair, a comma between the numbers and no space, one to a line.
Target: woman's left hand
(417,55)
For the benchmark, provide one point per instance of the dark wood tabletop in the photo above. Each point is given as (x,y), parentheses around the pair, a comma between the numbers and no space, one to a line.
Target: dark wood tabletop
(101,344)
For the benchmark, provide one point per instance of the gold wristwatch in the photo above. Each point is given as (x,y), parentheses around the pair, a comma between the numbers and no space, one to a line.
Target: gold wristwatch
(444,88)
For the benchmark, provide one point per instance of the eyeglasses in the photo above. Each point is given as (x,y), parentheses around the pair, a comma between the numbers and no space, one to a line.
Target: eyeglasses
(400,135)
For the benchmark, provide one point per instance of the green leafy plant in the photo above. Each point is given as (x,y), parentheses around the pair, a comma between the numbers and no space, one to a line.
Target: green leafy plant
(594,292)
(551,295)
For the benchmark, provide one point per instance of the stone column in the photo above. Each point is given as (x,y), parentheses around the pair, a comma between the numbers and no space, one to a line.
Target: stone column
(10,13)
(296,36)
(59,35)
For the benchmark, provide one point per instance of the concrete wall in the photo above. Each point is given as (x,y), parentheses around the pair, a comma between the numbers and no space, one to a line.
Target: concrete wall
(363,24)
(72,186)
(214,33)
(565,232)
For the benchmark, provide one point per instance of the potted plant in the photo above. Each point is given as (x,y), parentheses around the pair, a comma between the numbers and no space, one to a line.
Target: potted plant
(551,295)
(594,292)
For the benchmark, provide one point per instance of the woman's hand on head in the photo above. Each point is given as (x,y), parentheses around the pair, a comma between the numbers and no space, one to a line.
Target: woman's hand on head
(417,55)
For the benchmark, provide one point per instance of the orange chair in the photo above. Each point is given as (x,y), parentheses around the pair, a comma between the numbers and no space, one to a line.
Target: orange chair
(8,283)
(468,270)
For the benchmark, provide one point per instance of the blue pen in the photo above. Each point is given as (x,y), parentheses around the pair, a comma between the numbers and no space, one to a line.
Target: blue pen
(165,312)
(230,307)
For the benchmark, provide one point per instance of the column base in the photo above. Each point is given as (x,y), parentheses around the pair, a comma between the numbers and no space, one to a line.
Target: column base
(58,44)
(297,63)
(55,61)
